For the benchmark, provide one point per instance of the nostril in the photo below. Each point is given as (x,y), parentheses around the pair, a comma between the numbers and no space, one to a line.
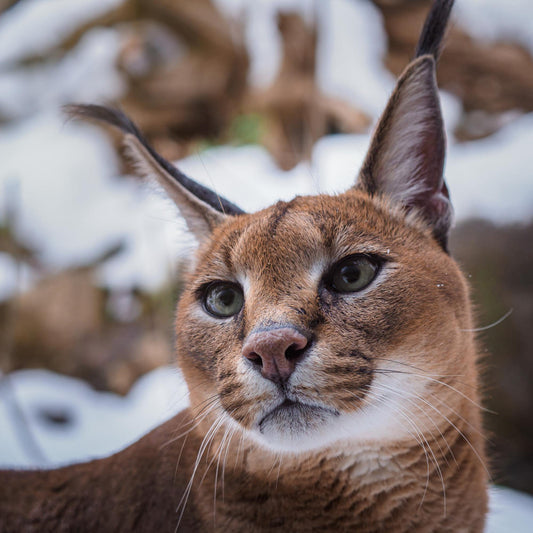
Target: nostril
(255,358)
(295,351)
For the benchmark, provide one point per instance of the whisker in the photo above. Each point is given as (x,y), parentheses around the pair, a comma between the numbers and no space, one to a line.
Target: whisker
(279,469)
(413,424)
(403,363)
(494,324)
(418,438)
(460,433)
(458,415)
(179,456)
(194,421)
(218,454)
(233,431)
(414,404)
(387,371)
(215,426)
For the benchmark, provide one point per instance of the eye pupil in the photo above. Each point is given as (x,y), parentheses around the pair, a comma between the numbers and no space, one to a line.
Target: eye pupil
(350,273)
(226,297)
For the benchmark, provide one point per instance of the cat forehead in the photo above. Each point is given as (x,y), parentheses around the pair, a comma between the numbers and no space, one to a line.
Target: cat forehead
(310,228)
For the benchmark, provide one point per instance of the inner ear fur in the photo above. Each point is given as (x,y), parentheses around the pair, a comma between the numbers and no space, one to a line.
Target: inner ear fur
(405,161)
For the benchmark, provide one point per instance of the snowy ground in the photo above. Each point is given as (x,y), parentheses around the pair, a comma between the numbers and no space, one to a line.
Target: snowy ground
(92,424)
(97,424)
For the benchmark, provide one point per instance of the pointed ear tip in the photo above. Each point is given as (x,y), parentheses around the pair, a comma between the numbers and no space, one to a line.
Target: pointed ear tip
(427,59)
(421,74)
(425,64)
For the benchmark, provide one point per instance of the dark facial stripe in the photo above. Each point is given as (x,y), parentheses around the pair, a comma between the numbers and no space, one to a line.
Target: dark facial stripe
(280,210)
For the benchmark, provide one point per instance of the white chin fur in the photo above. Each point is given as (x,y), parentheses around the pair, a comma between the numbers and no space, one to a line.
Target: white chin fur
(386,417)
(295,436)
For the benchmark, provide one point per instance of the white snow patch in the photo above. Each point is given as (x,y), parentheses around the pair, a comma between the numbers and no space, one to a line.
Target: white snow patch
(34,26)
(509,511)
(350,55)
(248,176)
(491,178)
(494,20)
(71,205)
(488,178)
(14,278)
(85,74)
(350,49)
(262,38)
(101,423)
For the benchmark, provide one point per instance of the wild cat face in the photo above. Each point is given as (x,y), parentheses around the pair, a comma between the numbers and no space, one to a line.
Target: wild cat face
(327,317)
(299,319)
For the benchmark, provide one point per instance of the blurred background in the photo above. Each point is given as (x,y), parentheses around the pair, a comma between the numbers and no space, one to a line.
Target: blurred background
(259,100)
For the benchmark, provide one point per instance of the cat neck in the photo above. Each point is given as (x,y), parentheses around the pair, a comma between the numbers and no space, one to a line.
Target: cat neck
(366,486)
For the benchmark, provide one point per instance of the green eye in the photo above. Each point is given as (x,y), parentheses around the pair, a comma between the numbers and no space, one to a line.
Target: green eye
(223,299)
(354,273)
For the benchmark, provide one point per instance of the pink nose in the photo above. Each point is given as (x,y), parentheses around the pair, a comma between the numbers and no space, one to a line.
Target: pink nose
(276,351)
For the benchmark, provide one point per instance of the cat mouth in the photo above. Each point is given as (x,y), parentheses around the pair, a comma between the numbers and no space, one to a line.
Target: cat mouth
(294,417)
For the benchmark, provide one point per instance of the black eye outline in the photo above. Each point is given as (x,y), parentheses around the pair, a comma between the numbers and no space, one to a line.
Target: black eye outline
(210,288)
(375,260)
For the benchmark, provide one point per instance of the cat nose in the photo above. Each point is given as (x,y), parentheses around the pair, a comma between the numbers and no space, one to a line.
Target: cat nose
(276,352)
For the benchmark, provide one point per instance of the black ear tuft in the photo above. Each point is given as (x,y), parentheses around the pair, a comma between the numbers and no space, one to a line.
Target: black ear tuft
(119,120)
(432,35)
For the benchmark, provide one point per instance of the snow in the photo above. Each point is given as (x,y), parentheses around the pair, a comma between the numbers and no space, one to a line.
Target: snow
(510,511)
(261,34)
(350,55)
(494,20)
(86,74)
(72,205)
(34,26)
(489,178)
(100,423)
(14,277)
(352,40)
(9,278)
(351,45)
(352,35)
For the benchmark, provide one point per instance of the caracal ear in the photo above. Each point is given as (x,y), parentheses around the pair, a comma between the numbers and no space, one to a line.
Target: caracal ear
(405,161)
(202,209)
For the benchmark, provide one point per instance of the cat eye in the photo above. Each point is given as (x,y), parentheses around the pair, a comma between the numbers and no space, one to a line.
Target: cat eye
(223,299)
(353,273)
